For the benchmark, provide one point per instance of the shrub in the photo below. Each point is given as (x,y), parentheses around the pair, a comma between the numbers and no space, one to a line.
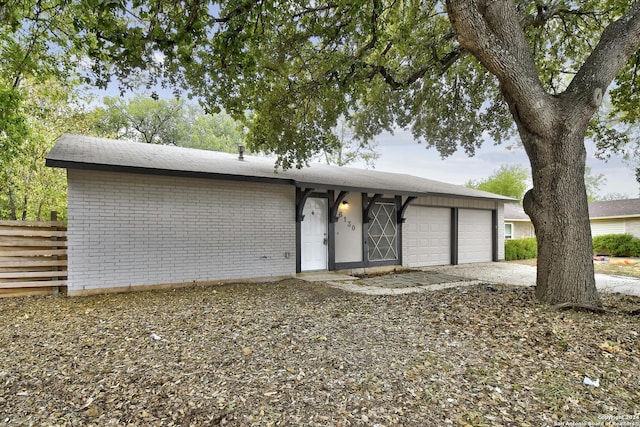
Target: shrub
(616,245)
(526,248)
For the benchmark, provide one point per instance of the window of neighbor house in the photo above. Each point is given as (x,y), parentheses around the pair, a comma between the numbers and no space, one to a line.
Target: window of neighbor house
(508,230)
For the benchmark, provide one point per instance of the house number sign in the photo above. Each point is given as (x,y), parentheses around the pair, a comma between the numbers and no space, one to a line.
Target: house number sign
(346,221)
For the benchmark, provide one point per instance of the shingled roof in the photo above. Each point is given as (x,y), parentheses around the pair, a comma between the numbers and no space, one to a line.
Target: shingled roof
(513,212)
(597,210)
(614,208)
(82,152)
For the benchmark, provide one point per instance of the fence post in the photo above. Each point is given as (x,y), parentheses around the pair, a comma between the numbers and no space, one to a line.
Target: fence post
(54,217)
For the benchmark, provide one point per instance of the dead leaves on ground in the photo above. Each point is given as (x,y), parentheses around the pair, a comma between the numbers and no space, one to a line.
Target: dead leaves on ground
(293,353)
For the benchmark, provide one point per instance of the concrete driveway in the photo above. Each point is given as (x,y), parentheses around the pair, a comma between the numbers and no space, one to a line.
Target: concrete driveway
(440,277)
(525,275)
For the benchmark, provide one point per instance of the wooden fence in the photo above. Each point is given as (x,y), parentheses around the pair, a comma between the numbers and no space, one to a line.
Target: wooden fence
(33,257)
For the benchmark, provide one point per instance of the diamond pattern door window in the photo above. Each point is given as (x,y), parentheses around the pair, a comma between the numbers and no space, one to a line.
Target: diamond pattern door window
(383,232)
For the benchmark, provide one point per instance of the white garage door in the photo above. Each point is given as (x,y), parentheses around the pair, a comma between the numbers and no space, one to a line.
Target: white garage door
(426,236)
(475,236)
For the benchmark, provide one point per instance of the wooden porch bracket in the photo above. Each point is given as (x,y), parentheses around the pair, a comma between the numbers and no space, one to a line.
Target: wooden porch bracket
(301,199)
(370,202)
(403,209)
(333,209)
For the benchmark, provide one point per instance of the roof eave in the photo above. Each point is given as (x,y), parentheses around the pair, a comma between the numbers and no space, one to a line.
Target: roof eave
(163,172)
(67,164)
(614,217)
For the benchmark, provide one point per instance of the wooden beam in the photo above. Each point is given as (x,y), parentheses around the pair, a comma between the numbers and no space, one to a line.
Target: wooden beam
(301,199)
(31,233)
(333,210)
(403,209)
(10,252)
(4,241)
(30,274)
(19,263)
(370,202)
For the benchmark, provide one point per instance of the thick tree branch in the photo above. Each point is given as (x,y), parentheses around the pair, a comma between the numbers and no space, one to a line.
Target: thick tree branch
(439,67)
(373,40)
(314,10)
(492,32)
(242,9)
(619,42)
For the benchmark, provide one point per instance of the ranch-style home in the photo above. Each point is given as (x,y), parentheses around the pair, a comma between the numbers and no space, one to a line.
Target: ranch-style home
(606,217)
(145,216)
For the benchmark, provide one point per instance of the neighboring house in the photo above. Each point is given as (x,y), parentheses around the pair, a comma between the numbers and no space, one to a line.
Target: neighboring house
(606,217)
(142,215)
(517,224)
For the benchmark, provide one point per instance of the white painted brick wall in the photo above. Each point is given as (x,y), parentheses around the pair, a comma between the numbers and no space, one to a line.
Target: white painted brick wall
(130,230)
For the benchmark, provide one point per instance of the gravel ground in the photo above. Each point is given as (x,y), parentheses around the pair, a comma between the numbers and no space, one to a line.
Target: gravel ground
(306,354)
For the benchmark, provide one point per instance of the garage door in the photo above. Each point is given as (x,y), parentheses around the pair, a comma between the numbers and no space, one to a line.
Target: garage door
(426,236)
(475,236)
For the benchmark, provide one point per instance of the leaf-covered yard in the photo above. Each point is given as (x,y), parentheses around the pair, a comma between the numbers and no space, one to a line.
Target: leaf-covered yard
(296,353)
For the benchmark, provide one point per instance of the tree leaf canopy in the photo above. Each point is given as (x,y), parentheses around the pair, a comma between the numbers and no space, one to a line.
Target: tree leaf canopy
(293,69)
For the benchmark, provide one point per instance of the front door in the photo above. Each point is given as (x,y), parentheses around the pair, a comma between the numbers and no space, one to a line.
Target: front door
(314,230)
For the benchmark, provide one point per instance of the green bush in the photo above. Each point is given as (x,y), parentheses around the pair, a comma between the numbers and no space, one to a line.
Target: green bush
(526,248)
(608,244)
(616,245)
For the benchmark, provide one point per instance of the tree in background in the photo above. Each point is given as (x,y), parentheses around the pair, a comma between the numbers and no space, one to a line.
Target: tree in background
(510,181)
(349,149)
(13,122)
(154,120)
(28,189)
(216,131)
(593,183)
(141,119)
(612,196)
(168,122)
(37,104)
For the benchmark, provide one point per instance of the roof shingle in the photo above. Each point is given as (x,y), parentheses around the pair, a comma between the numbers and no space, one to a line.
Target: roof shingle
(82,152)
(597,210)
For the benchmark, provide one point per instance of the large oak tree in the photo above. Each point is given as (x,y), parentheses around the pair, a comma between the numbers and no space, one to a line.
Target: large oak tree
(456,72)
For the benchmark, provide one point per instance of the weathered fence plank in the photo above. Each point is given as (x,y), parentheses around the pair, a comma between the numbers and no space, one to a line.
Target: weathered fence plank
(26,242)
(33,257)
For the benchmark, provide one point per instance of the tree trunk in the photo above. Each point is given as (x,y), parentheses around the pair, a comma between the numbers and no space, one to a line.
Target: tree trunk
(552,128)
(25,201)
(12,203)
(557,206)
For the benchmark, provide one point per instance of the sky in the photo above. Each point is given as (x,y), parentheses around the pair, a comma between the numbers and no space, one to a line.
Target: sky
(399,153)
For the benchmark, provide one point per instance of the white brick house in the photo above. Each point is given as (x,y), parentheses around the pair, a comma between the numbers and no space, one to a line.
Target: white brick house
(145,216)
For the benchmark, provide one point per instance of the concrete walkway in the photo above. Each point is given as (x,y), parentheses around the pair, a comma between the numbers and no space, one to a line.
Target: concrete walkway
(441,277)
(525,275)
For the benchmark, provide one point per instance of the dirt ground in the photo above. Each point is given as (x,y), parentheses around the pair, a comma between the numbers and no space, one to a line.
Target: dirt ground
(305,354)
